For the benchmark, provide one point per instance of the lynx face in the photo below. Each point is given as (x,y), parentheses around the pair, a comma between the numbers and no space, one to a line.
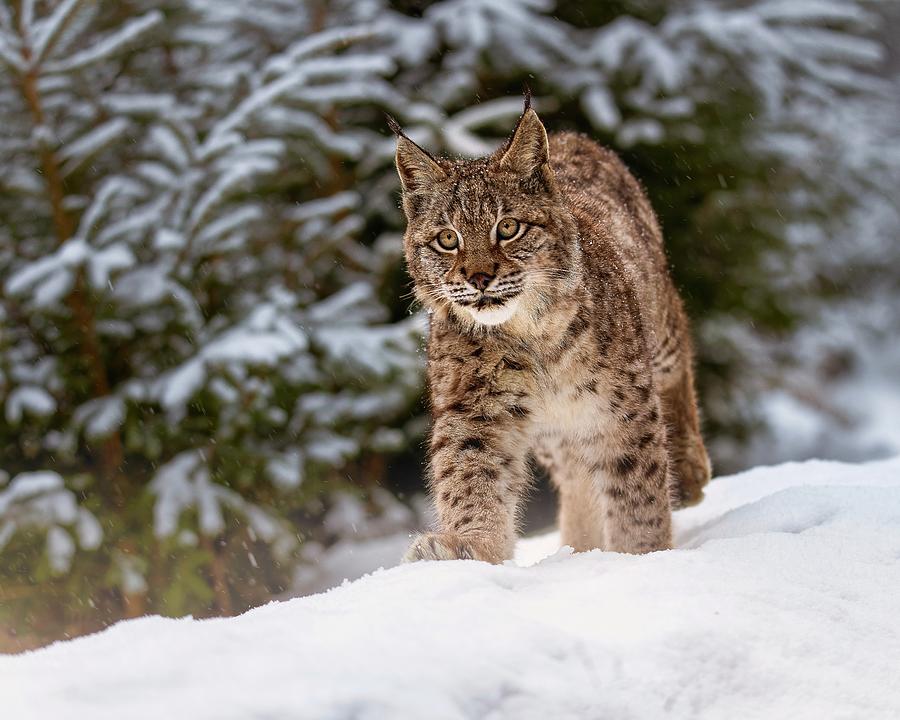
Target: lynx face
(488,236)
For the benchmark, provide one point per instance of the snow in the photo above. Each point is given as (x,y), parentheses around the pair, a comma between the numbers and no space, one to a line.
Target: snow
(28,485)
(378,349)
(857,418)
(325,207)
(184,484)
(60,549)
(459,130)
(807,11)
(78,151)
(264,338)
(28,399)
(286,469)
(323,41)
(781,601)
(51,28)
(168,143)
(600,107)
(240,174)
(640,131)
(40,500)
(70,254)
(110,45)
(100,417)
(10,54)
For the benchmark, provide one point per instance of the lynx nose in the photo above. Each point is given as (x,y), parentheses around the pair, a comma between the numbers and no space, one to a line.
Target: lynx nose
(479,280)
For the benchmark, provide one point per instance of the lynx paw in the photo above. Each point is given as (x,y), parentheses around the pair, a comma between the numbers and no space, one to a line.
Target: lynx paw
(692,473)
(434,546)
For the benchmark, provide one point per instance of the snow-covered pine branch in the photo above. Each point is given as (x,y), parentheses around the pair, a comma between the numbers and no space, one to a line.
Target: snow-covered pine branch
(108,46)
(40,500)
(51,28)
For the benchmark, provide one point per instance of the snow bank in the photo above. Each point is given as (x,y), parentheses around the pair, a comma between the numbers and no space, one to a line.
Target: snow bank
(783,602)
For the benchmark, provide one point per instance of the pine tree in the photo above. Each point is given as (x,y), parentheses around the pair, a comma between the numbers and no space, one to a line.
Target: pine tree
(194,340)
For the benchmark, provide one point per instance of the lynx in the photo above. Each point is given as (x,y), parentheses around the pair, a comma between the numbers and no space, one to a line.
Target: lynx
(555,334)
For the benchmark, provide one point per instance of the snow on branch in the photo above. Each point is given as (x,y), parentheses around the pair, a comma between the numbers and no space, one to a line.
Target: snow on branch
(108,46)
(457,129)
(79,151)
(40,500)
(28,400)
(817,12)
(51,28)
(51,277)
(265,338)
(331,39)
(241,169)
(298,68)
(10,52)
(100,417)
(782,51)
(184,484)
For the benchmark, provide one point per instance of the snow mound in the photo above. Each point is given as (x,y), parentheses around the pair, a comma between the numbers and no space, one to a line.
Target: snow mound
(782,602)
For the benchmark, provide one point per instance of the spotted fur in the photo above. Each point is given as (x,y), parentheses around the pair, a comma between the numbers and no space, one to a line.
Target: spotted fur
(567,343)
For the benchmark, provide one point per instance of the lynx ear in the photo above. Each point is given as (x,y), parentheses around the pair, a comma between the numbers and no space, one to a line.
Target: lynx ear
(417,169)
(528,150)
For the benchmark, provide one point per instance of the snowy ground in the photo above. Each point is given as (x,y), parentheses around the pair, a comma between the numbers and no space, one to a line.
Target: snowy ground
(783,601)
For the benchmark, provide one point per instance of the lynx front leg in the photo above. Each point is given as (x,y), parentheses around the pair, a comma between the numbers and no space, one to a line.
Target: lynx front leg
(634,476)
(479,474)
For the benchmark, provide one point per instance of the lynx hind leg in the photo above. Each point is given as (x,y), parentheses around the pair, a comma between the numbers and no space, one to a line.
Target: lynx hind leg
(691,468)
(580,508)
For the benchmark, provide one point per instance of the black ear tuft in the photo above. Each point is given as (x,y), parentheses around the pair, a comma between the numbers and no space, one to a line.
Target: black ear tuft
(527,92)
(394,126)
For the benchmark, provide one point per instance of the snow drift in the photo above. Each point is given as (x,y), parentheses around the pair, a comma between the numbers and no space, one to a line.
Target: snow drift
(782,601)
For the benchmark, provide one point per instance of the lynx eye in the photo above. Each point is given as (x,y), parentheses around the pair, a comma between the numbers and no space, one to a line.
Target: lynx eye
(447,239)
(507,228)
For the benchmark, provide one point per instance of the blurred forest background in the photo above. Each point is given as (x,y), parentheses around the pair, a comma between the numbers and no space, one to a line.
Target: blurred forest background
(210,368)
